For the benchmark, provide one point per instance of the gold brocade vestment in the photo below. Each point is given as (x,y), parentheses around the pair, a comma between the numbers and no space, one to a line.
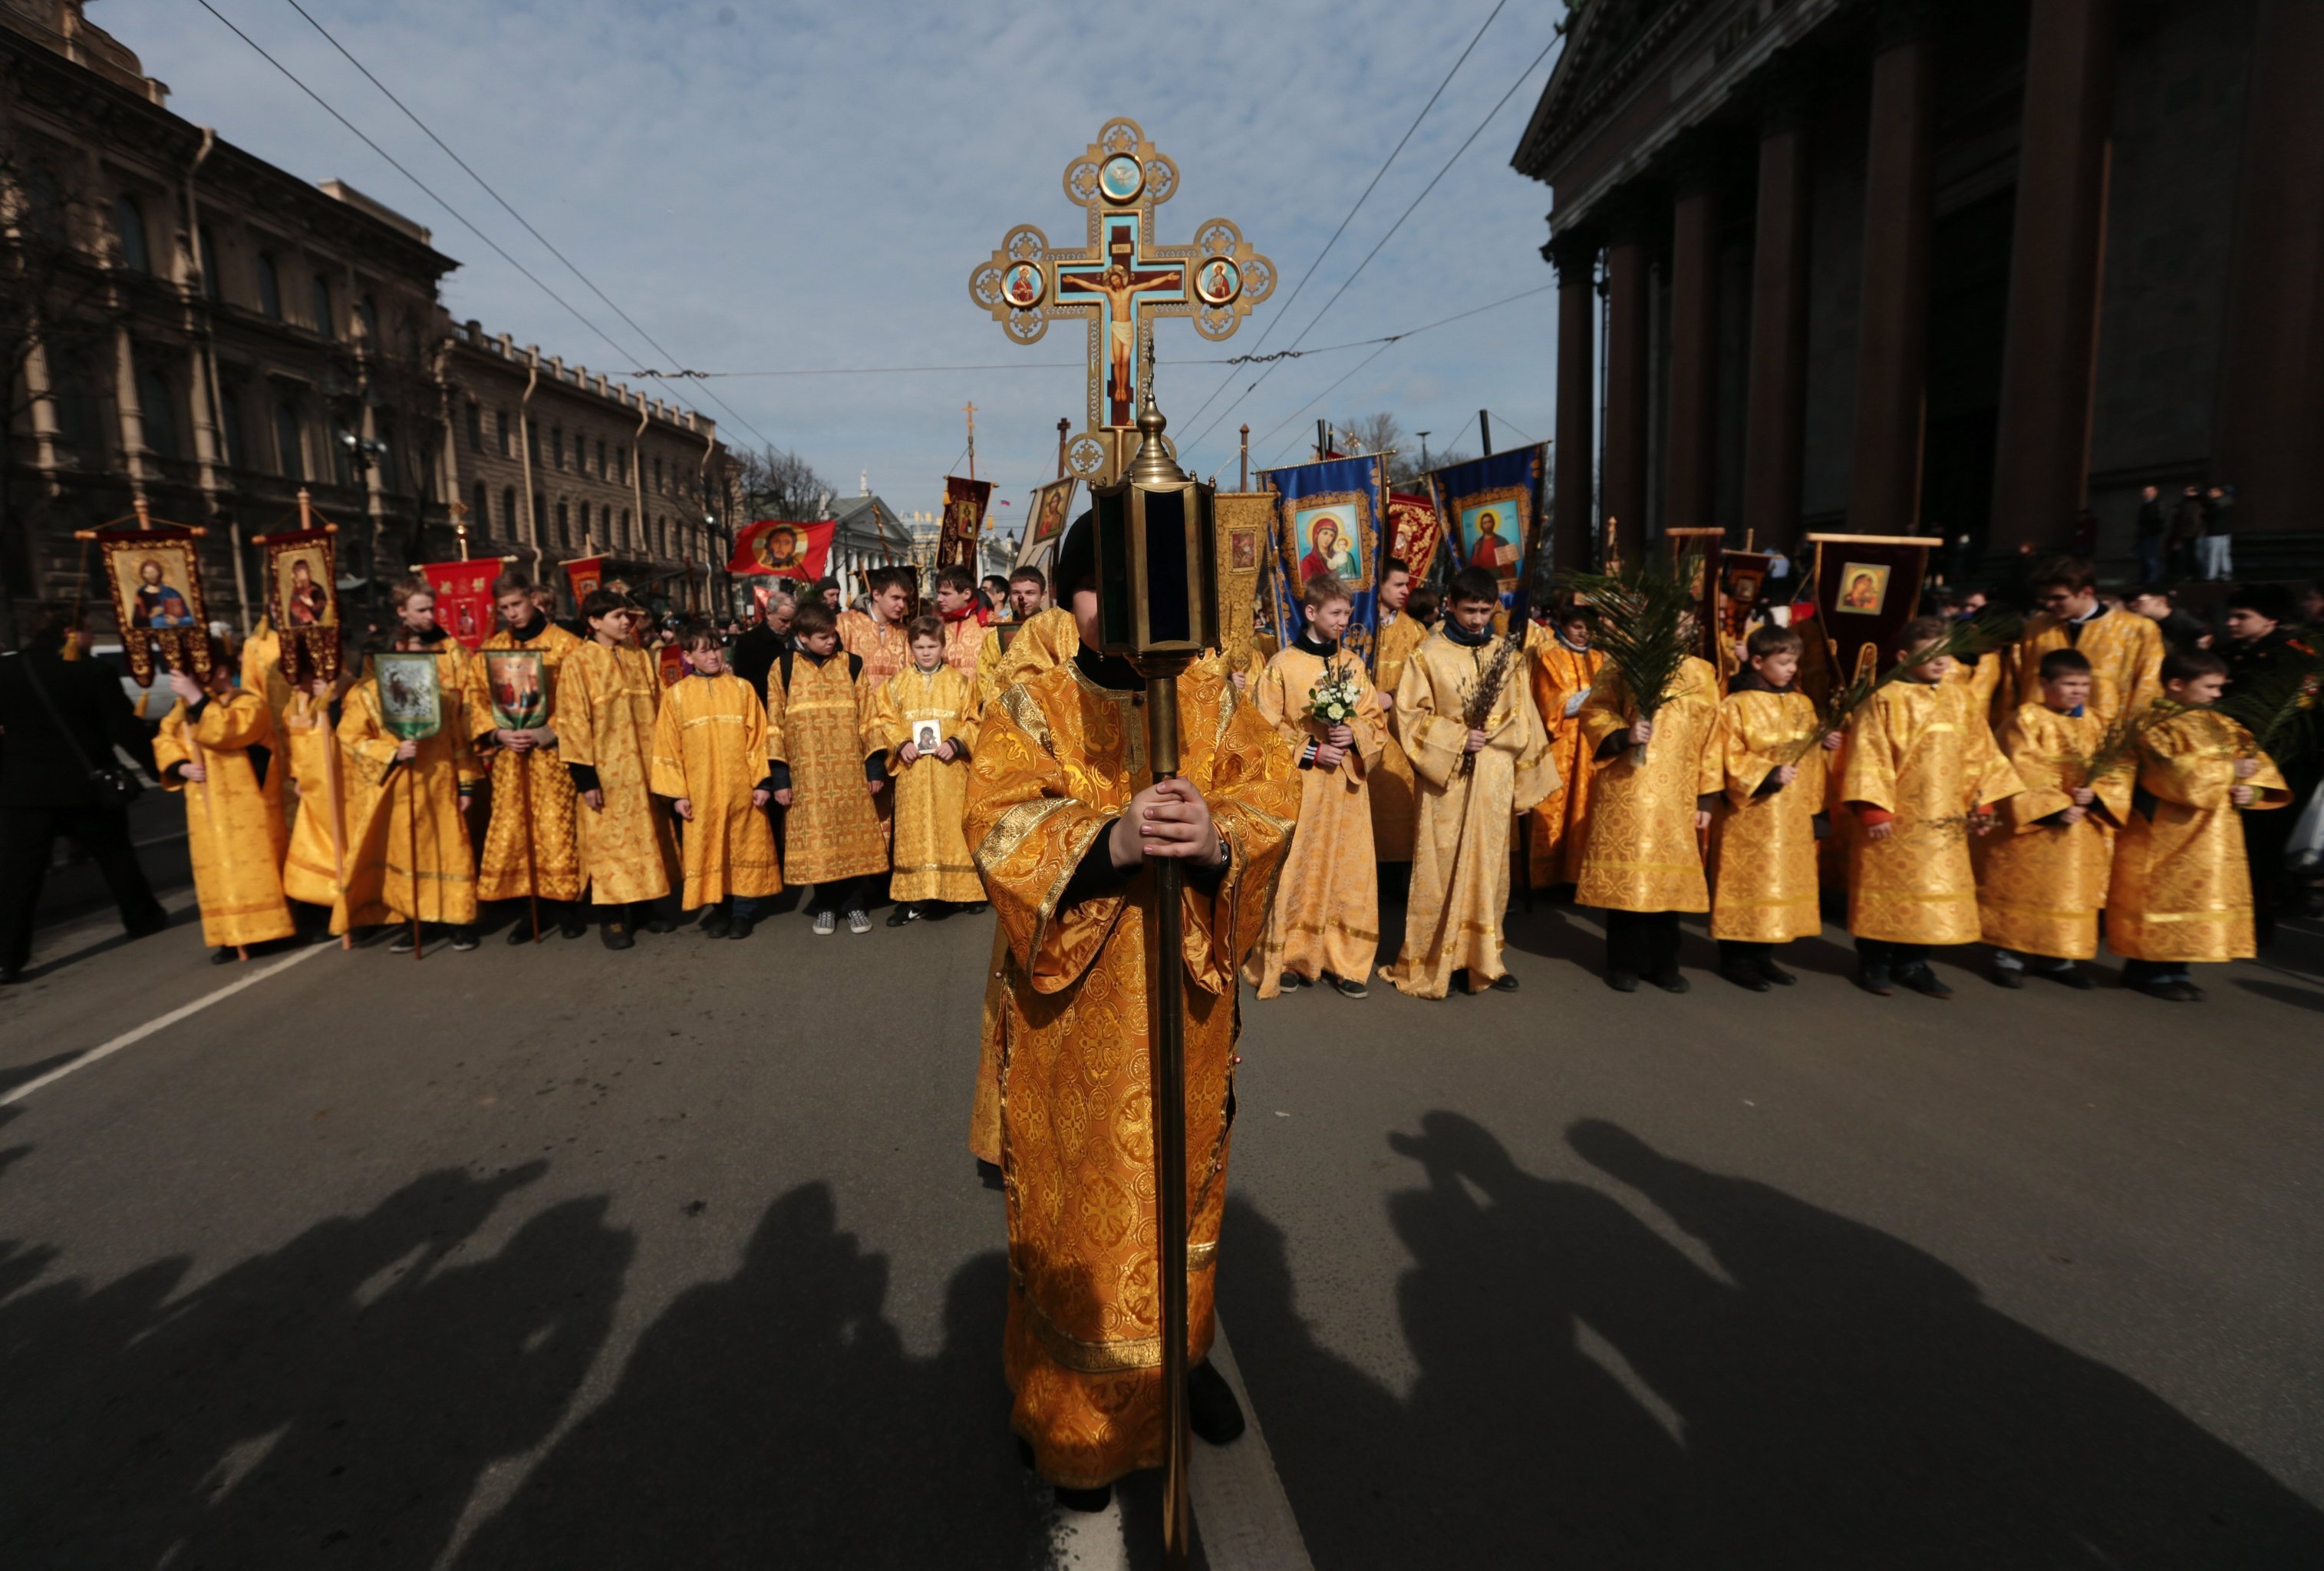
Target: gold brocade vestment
(1326,912)
(1460,835)
(1058,760)
(1763,845)
(1642,852)
(2182,888)
(880,645)
(607,703)
(1394,803)
(539,855)
(1049,639)
(1922,752)
(2040,886)
(310,865)
(1561,823)
(963,644)
(710,751)
(234,823)
(931,856)
(2125,654)
(394,806)
(818,725)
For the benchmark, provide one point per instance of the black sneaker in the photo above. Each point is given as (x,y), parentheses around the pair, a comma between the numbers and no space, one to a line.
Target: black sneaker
(902,914)
(1346,988)
(716,922)
(464,938)
(223,955)
(1212,1411)
(404,941)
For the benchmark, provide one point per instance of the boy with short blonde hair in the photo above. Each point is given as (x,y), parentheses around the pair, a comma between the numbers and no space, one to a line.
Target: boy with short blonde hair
(710,760)
(932,865)
(1763,848)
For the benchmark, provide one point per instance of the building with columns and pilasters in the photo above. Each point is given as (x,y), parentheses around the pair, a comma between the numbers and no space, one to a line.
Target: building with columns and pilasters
(1960,270)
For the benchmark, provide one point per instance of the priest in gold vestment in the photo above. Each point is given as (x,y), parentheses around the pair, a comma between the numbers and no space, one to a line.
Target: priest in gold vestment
(1563,667)
(1392,787)
(2182,890)
(1763,847)
(1063,814)
(608,699)
(1642,863)
(2124,648)
(217,746)
(532,846)
(931,861)
(1461,836)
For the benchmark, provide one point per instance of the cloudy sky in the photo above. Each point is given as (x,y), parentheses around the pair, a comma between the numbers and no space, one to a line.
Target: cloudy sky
(768,186)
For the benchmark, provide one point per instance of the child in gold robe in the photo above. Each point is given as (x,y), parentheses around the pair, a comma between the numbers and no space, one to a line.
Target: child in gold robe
(1461,836)
(1325,921)
(932,868)
(217,746)
(313,864)
(710,760)
(2182,893)
(963,635)
(2041,878)
(1762,847)
(1563,667)
(1391,786)
(1920,774)
(828,771)
(608,700)
(875,638)
(410,860)
(2124,648)
(1065,816)
(531,843)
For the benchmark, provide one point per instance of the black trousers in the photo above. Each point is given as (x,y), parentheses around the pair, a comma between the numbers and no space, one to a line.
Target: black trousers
(27,837)
(1739,954)
(1896,956)
(846,896)
(1643,943)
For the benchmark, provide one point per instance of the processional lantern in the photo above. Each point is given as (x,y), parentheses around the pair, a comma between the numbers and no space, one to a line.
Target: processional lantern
(1157,559)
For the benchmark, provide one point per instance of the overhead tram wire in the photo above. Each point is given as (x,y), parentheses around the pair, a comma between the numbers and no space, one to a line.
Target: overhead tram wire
(1320,397)
(1490,116)
(398,166)
(571,266)
(1378,175)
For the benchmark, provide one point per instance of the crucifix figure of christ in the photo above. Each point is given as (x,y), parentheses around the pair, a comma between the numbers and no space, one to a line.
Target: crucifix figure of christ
(1120,283)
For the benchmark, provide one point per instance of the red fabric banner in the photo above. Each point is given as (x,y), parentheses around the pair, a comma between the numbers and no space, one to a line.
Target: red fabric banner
(1416,531)
(781,549)
(464,597)
(963,521)
(671,661)
(587,576)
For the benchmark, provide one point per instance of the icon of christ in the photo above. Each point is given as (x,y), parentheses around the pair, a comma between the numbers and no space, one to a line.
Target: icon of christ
(1120,286)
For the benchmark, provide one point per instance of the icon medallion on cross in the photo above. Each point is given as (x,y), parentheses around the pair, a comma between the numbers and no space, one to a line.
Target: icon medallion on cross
(1121,283)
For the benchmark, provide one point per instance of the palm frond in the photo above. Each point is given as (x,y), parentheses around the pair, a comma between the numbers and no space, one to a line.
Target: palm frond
(2280,706)
(1974,636)
(1646,623)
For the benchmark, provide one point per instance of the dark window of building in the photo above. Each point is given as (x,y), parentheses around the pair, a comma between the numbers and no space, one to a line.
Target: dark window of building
(45,204)
(475,427)
(532,441)
(230,428)
(270,288)
(601,460)
(657,480)
(556,445)
(80,412)
(213,278)
(508,511)
(320,303)
(504,433)
(563,534)
(157,407)
(290,449)
(627,537)
(480,510)
(343,455)
(539,516)
(621,464)
(129,228)
(368,309)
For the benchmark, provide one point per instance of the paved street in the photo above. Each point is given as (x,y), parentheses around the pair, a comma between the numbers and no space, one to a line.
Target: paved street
(549,1258)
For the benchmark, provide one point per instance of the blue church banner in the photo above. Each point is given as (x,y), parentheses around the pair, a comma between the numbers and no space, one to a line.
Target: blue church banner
(1491,513)
(1328,518)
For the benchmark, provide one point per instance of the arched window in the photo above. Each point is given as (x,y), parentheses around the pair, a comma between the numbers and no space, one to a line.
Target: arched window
(475,428)
(320,303)
(508,511)
(480,512)
(343,455)
(230,428)
(627,537)
(622,464)
(600,458)
(539,516)
(270,288)
(289,447)
(505,451)
(556,445)
(44,202)
(563,534)
(368,309)
(213,279)
(129,228)
(157,404)
(658,481)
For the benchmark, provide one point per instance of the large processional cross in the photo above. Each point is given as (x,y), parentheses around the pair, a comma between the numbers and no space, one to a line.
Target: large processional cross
(1122,281)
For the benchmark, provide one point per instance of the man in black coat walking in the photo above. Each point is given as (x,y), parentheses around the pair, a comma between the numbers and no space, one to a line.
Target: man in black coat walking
(45,789)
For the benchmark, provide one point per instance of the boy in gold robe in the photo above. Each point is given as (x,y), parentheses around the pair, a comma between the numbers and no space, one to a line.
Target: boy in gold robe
(1325,922)
(1391,783)
(410,859)
(2124,648)
(1762,847)
(1920,774)
(875,638)
(1474,779)
(2042,879)
(315,861)
(710,747)
(1563,668)
(932,866)
(1063,815)
(531,843)
(1028,587)
(2182,893)
(217,746)
(608,701)
(827,771)
(1642,863)
(962,635)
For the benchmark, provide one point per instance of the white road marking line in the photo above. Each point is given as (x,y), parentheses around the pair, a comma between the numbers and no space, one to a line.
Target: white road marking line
(162,1022)
(1241,1514)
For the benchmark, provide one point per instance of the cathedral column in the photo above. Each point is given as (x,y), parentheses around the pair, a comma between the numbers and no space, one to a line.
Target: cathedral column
(1689,460)
(1574,510)
(1623,488)
(1776,405)
(1892,345)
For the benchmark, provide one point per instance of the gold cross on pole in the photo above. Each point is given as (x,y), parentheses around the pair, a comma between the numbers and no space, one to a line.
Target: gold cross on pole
(1121,283)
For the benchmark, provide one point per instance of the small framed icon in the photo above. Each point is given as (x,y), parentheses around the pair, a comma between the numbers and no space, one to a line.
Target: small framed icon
(927,735)
(1121,178)
(1022,284)
(1217,282)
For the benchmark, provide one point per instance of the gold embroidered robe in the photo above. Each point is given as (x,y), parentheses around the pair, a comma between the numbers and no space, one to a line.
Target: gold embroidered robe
(1050,638)
(538,855)
(1392,786)
(964,643)
(1923,752)
(1460,834)
(608,701)
(2182,888)
(1561,823)
(2040,886)
(880,645)
(396,811)
(931,854)
(1642,852)
(1059,759)
(2125,654)
(1326,912)
(820,728)
(234,823)
(710,748)
(1763,847)
(318,770)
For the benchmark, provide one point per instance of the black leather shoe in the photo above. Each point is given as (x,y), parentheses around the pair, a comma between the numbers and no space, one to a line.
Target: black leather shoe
(571,925)
(1506,981)
(1777,974)
(616,935)
(223,955)
(739,927)
(658,923)
(715,922)
(1876,980)
(1750,981)
(1924,982)
(2071,976)
(521,931)
(2169,992)
(1212,1411)
(464,938)
(1622,981)
(1670,980)
(2008,976)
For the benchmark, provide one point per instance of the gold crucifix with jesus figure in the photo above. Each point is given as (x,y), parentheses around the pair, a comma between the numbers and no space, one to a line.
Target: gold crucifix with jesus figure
(1121,282)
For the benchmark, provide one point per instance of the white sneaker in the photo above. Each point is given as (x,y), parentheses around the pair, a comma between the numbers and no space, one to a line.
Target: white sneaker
(858,921)
(826,924)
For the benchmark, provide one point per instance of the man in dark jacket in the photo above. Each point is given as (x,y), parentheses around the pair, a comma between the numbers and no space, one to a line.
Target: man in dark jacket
(757,650)
(45,789)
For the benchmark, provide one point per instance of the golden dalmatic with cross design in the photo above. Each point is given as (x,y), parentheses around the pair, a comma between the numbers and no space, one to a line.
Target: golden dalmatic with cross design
(1120,281)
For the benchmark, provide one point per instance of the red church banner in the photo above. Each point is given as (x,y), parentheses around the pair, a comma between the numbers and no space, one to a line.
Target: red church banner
(1416,531)
(587,575)
(464,597)
(963,521)
(781,549)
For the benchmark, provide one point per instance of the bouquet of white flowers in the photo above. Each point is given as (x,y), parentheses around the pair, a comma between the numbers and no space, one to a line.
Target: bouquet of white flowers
(1337,695)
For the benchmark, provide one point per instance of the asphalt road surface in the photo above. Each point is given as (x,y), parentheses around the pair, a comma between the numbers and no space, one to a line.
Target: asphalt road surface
(544,1257)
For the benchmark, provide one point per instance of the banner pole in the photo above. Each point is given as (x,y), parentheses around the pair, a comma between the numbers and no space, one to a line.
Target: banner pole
(337,818)
(531,862)
(412,806)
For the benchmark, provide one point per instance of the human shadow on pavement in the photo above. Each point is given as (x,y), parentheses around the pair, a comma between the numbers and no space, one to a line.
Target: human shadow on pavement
(775,1417)
(2282,992)
(1587,1393)
(335,1400)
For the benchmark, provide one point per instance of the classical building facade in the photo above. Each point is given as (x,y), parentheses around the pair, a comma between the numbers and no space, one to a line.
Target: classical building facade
(1904,267)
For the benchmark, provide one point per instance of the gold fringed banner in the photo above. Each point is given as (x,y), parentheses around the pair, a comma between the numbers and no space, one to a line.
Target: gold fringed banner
(302,599)
(1245,522)
(154,571)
